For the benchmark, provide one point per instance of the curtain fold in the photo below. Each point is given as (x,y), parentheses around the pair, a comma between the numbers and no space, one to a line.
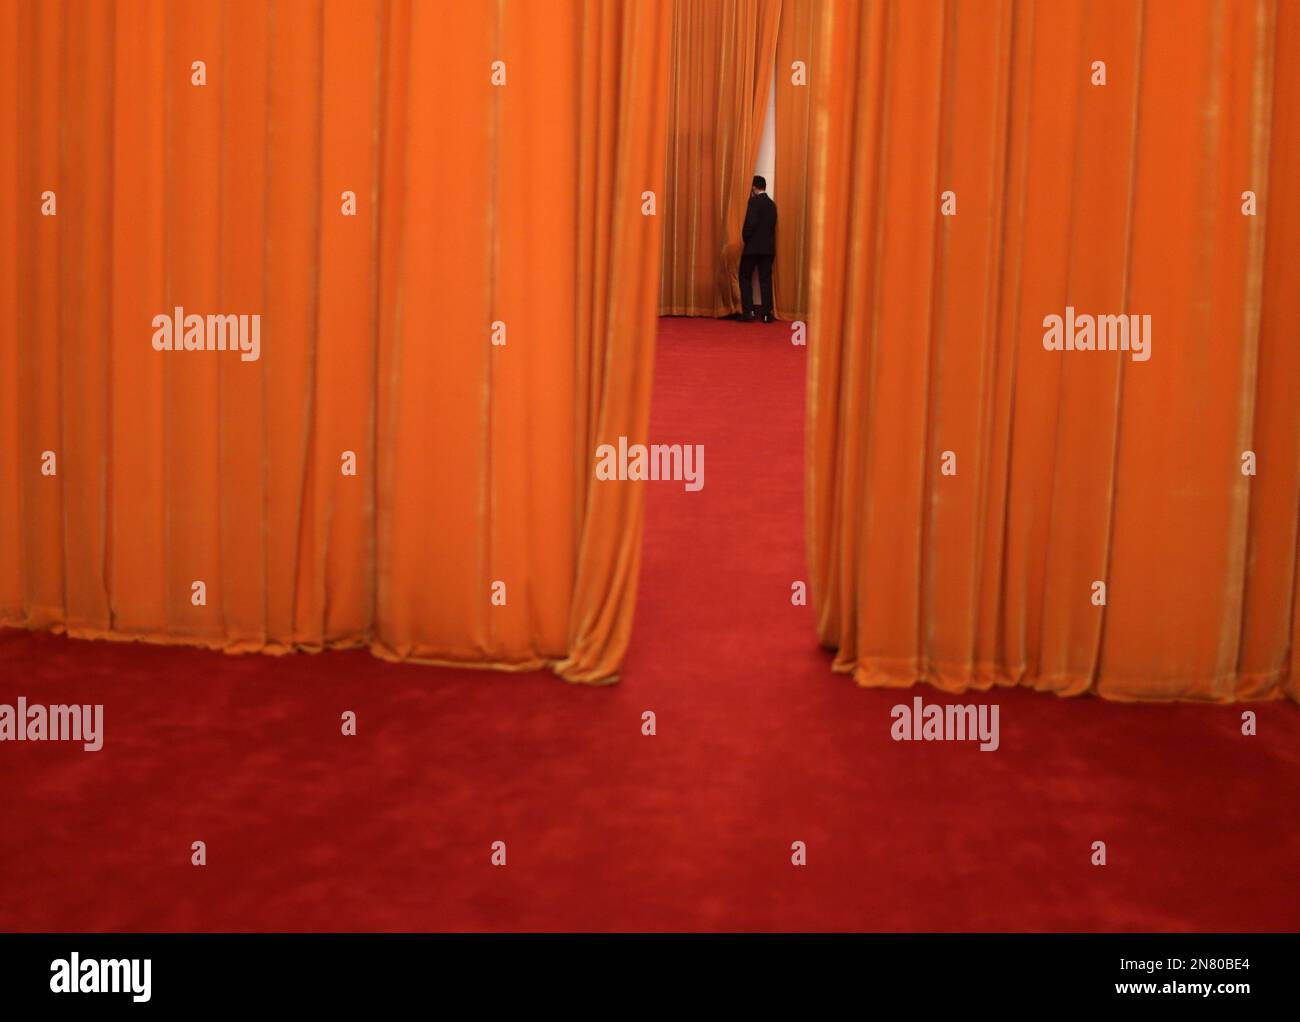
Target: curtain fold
(797,60)
(720,72)
(969,489)
(393,204)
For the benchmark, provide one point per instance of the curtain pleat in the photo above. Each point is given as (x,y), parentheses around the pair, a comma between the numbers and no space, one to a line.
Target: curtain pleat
(968,489)
(720,72)
(797,60)
(384,473)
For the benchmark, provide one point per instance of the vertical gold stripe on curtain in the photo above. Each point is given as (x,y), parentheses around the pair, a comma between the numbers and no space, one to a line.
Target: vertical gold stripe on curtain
(720,67)
(1071,467)
(343,598)
(191,218)
(293,59)
(493,298)
(37,353)
(12,481)
(245,215)
(85,266)
(390,612)
(473,204)
(135,518)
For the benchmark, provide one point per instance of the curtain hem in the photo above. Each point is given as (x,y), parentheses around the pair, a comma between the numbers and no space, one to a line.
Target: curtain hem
(239,647)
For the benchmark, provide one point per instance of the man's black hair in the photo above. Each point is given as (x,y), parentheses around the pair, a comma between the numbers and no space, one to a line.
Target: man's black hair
(760,182)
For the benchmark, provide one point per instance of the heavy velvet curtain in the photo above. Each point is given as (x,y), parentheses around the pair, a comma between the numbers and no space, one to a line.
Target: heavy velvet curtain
(721,66)
(467,338)
(1066,468)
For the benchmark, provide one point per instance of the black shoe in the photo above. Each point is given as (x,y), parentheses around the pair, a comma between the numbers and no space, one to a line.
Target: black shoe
(768,318)
(749,317)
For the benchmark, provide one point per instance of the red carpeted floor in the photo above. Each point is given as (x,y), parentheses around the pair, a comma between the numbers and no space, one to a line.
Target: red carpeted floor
(758,745)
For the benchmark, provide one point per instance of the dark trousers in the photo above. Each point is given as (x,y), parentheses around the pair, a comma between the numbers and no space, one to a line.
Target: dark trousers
(748,263)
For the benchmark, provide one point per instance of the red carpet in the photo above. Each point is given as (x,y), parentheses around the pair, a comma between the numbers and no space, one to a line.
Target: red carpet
(758,745)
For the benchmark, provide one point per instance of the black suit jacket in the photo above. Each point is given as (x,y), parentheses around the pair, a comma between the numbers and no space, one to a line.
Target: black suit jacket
(759,232)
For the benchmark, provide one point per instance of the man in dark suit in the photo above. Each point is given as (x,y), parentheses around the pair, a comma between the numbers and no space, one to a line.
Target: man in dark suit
(759,235)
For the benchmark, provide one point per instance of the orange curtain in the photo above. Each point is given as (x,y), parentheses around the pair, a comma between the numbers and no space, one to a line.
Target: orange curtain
(407,462)
(797,60)
(721,66)
(969,488)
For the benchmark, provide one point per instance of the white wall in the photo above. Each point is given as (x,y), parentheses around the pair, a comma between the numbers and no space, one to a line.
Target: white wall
(766,164)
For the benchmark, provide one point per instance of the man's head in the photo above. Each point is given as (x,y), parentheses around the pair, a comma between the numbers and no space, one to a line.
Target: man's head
(760,185)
